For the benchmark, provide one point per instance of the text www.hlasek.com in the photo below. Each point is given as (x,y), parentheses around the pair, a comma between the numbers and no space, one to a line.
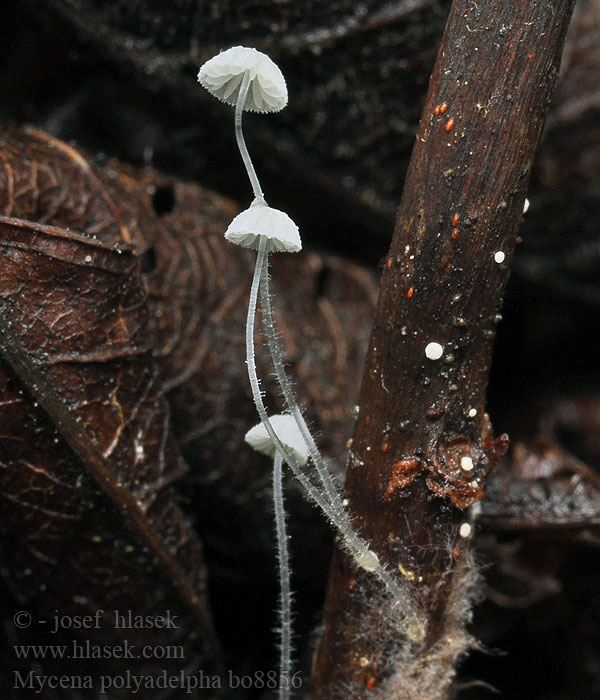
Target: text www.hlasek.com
(87,650)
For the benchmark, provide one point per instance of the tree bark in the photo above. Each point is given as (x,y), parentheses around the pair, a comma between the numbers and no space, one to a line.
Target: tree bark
(422,446)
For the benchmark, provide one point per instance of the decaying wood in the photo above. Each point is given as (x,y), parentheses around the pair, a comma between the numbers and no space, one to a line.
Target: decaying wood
(442,283)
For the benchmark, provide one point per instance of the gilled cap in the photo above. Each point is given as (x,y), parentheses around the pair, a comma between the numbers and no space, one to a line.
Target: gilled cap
(222,77)
(288,433)
(260,220)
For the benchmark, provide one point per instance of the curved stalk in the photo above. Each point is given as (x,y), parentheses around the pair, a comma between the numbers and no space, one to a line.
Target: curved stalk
(239,137)
(357,547)
(288,393)
(287,455)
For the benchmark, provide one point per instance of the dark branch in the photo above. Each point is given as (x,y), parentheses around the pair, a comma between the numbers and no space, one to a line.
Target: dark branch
(443,282)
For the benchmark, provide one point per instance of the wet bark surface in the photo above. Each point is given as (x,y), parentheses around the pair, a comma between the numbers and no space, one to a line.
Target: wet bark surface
(422,411)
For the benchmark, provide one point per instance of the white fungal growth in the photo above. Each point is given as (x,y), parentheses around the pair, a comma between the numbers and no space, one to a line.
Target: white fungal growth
(466,463)
(499,256)
(248,80)
(526,206)
(286,430)
(367,560)
(222,76)
(433,351)
(465,530)
(258,220)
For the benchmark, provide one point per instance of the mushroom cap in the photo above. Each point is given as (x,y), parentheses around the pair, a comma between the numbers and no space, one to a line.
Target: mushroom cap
(260,220)
(222,77)
(286,430)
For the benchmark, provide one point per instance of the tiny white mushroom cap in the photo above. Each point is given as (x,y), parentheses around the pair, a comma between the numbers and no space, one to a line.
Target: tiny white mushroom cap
(260,220)
(286,430)
(222,77)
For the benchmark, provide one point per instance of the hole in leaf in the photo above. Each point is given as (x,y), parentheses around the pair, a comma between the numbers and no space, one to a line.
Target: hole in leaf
(163,200)
(321,281)
(148,260)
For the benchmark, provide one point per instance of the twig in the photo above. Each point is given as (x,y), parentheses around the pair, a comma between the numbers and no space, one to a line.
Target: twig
(408,480)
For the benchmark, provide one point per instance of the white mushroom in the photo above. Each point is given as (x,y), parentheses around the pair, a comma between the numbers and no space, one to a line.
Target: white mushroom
(286,430)
(259,220)
(222,76)
(248,80)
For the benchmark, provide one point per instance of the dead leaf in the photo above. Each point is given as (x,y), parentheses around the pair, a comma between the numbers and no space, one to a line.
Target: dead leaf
(134,312)
(90,518)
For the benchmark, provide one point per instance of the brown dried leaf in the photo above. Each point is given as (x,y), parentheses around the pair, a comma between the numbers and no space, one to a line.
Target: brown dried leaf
(90,517)
(544,489)
(176,329)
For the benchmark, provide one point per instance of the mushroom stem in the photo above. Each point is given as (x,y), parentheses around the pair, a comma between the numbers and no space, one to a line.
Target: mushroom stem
(239,137)
(288,393)
(285,612)
(287,455)
(357,547)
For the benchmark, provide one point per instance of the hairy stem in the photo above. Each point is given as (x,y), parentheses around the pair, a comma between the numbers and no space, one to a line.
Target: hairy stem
(288,393)
(285,595)
(353,543)
(291,461)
